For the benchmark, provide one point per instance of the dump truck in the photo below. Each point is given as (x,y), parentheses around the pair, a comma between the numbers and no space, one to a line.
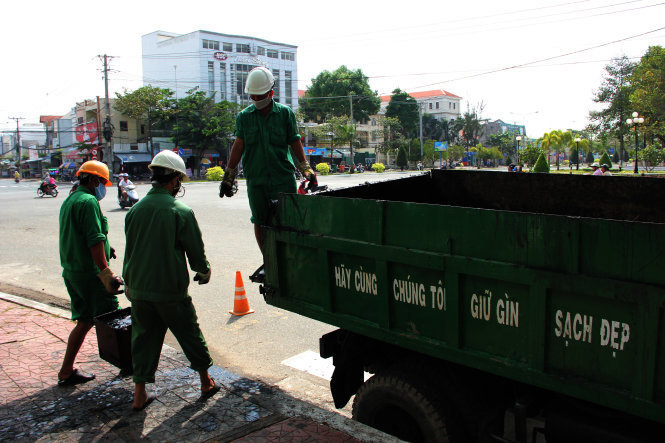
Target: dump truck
(486,306)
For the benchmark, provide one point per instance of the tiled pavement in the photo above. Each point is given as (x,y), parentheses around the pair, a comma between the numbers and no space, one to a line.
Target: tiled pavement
(34,408)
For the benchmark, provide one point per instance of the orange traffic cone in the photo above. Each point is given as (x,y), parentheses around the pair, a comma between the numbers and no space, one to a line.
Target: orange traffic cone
(240,304)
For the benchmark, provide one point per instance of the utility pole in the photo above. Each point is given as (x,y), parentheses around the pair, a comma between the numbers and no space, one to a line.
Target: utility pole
(18,144)
(108,151)
(353,136)
(420,123)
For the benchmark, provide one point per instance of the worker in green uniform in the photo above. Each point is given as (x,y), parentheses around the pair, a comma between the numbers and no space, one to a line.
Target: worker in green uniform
(161,235)
(84,255)
(264,132)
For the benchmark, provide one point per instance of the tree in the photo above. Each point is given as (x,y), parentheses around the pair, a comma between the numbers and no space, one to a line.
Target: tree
(614,92)
(605,160)
(548,141)
(337,130)
(652,156)
(432,128)
(504,142)
(145,103)
(541,165)
(469,126)
(328,96)
(401,161)
(391,135)
(530,154)
(203,124)
(404,108)
(589,157)
(648,94)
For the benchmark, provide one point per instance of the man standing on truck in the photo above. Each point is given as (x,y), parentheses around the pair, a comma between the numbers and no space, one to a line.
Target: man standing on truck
(161,235)
(84,255)
(264,132)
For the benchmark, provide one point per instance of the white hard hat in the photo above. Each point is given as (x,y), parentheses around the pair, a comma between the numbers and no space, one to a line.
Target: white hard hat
(259,81)
(169,160)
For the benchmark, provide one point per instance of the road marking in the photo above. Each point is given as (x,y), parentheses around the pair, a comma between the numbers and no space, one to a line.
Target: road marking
(312,363)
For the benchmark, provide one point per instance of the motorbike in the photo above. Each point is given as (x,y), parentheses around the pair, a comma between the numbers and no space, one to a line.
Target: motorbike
(132,196)
(45,189)
(310,186)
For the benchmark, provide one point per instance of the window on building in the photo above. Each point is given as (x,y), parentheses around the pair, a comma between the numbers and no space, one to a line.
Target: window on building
(271,53)
(210,44)
(275,73)
(211,78)
(288,56)
(288,88)
(239,78)
(373,122)
(437,105)
(450,105)
(374,137)
(123,126)
(430,105)
(242,47)
(260,50)
(142,129)
(228,47)
(79,121)
(222,81)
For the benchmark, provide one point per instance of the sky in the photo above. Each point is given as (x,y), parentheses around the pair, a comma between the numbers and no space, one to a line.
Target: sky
(524,62)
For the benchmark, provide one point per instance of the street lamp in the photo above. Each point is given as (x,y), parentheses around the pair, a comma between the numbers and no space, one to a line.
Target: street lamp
(577,140)
(517,151)
(635,121)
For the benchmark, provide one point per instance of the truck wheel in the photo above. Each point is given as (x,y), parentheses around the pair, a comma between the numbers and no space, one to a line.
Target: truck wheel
(395,404)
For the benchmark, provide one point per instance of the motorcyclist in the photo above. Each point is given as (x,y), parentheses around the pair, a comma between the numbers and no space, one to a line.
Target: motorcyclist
(48,183)
(17,177)
(127,194)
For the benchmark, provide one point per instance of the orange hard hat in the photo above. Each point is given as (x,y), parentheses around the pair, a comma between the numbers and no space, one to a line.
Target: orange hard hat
(97,168)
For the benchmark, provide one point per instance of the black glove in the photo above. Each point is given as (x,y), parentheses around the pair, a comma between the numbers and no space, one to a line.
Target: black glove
(203,278)
(113,253)
(226,187)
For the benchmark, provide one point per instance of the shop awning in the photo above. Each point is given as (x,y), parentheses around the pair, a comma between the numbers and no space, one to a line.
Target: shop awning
(135,158)
(68,165)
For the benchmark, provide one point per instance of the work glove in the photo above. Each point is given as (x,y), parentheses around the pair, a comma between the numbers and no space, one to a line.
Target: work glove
(111,281)
(306,170)
(203,278)
(226,186)
(113,253)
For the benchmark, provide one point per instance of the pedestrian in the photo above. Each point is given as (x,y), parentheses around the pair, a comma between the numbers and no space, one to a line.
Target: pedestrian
(605,169)
(264,132)
(84,255)
(596,169)
(161,235)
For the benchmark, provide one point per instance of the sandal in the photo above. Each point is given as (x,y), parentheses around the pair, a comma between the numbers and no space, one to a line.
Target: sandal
(210,392)
(76,378)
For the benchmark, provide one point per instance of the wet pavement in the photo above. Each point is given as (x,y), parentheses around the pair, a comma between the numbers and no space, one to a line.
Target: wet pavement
(34,408)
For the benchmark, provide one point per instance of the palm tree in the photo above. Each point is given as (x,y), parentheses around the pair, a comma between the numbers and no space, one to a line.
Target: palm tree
(547,141)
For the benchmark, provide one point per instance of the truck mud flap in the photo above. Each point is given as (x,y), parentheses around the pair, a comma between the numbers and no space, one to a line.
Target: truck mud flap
(259,276)
(348,375)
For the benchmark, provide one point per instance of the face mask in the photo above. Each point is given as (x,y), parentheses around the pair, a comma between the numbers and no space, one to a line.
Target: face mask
(100,191)
(260,104)
(176,189)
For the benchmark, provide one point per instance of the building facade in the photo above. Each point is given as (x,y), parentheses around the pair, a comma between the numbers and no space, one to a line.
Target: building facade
(217,64)
(500,127)
(441,104)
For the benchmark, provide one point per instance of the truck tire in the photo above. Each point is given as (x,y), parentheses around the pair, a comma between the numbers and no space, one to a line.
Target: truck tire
(394,403)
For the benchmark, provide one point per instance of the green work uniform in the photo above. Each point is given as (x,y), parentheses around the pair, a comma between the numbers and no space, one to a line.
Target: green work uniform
(266,158)
(161,235)
(82,226)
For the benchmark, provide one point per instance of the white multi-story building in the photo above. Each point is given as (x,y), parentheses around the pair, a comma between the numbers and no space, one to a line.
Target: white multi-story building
(441,104)
(217,64)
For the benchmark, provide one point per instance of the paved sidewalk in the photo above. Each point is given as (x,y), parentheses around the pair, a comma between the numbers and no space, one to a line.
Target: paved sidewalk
(34,408)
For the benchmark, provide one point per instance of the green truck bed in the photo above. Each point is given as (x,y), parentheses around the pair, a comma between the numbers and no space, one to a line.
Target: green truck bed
(555,281)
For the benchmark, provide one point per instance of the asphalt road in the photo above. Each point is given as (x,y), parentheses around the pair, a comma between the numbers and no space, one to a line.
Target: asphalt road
(254,345)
